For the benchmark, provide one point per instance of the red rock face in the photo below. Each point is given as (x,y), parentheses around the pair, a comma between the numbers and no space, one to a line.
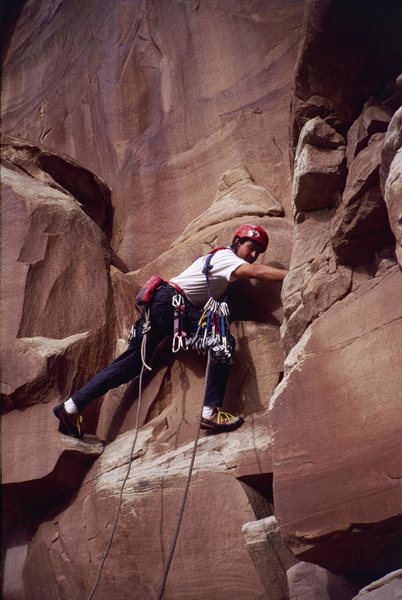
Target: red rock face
(336,381)
(337,497)
(140,136)
(348,52)
(134,127)
(158,99)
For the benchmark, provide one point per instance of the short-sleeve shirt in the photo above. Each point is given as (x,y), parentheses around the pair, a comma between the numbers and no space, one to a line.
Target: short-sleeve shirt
(193,281)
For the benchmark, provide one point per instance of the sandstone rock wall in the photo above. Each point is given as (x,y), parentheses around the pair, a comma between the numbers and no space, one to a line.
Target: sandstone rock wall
(335,416)
(157,98)
(140,135)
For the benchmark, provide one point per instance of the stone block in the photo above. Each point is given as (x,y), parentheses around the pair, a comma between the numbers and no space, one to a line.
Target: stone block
(388,587)
(392,143)
(375,118)
(364,170)
(361,227)
(319,178)
(310,582)
(320,134)
(270,556)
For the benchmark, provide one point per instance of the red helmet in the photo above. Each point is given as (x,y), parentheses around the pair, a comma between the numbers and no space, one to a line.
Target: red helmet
(254,233)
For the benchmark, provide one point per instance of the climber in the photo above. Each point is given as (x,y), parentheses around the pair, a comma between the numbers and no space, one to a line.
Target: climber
(191,287)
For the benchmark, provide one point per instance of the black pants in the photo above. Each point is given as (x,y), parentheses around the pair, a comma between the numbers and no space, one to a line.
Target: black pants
(128,365)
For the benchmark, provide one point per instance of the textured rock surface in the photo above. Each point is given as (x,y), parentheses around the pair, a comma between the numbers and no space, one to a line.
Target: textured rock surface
(392,143)
(176,100)
(319,175)
(311,582)
(348,51)
(171,95)
(268,553)
(319,168)
(157,130)
(360,227)
(386,588)
(335,380)
(151,501)
(390,174)
(339,390)
(60,172)
(375,118)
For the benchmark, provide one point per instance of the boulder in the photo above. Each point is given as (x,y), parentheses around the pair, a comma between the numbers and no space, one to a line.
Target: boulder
(270,556)
(36,478)
(61,172)
(319,178)
(388,587)
(375,118)
(311,236)
(364,170)
(53,254)
(37,370)
(315,280)
(390,176)
(361,227)
(317,132)
(322,287)
(307,581)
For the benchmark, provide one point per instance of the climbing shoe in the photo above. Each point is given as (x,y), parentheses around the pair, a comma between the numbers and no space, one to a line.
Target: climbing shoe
(69,424)
(221,421)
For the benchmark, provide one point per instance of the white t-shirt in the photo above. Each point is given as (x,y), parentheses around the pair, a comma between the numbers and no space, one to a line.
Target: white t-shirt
(194,283)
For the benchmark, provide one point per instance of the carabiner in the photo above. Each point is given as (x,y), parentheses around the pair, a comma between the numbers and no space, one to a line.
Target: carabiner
(178,343)
(177,301)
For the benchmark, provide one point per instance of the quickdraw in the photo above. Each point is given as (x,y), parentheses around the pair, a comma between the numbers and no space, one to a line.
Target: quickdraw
(213,332)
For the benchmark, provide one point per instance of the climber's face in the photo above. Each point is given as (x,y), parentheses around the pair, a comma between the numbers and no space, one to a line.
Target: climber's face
(248,251)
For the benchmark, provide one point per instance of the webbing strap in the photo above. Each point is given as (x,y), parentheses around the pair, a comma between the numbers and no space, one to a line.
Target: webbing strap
(207,268)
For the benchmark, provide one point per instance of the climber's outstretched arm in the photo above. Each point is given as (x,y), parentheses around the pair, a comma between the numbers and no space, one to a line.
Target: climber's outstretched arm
(262,272)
